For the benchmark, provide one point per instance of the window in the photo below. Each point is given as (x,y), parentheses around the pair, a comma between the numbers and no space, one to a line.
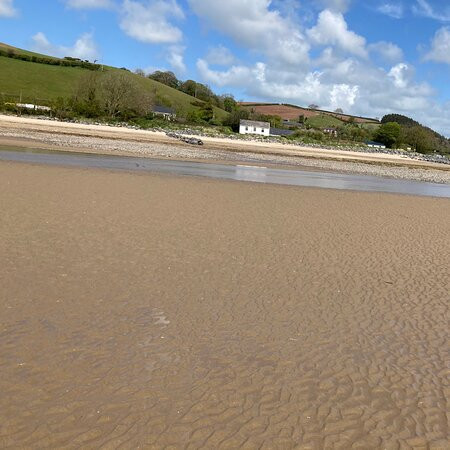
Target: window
(262,130)
(246,128)
(254,129)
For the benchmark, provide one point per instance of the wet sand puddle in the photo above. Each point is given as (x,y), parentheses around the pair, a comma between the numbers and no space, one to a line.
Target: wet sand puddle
(163,312)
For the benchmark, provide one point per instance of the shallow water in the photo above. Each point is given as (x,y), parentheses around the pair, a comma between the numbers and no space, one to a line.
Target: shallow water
(256,174)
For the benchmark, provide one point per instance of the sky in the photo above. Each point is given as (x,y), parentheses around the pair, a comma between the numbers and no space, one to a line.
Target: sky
(368,57)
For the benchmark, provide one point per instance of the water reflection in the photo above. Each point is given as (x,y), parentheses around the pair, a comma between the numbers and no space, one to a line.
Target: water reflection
(251,173)
(224,171)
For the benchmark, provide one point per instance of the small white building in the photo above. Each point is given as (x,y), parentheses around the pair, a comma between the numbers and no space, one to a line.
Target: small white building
(254,127)
(33,107)
(373,144)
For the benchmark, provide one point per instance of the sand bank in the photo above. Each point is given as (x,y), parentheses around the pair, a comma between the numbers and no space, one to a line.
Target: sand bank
(154,311)
(27,132)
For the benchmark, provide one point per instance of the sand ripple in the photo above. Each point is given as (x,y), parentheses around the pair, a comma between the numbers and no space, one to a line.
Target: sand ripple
(157,312)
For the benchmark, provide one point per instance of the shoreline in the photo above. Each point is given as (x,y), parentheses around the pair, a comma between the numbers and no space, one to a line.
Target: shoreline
(101,139)
(262,174)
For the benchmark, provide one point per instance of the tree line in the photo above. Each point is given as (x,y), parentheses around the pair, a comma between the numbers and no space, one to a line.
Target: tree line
(113,95)
(65,62)
(197,90)
(397,130)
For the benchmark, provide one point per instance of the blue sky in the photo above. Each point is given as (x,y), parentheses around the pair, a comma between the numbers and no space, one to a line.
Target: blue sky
(367,57)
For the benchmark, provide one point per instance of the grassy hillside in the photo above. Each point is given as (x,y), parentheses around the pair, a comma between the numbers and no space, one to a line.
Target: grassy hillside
(44,83)
(40,81)
(324,121)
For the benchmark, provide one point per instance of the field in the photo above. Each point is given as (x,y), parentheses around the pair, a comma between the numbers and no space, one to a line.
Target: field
(324,121)
(44,83)
(292,112)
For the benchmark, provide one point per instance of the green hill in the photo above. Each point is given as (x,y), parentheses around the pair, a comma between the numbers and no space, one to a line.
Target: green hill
(44,83)
(324,121)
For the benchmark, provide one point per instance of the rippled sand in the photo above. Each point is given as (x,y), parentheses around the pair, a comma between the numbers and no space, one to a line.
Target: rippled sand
(153,311)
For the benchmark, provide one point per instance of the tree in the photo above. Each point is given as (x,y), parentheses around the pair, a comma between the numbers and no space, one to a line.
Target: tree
(234,118)
(419,139)
(168,78)
(229,103)
(400,119)
(203,92)
(313,106)
(139,72)
(339,111)
(86,100)
(61,108)
(189,87)
(118,93)
(389,134)
(207,112)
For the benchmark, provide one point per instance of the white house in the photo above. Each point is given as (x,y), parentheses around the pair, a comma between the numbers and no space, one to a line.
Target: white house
(253,127)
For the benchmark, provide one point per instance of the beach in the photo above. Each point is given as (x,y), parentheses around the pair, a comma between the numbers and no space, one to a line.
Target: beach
(155,311)
(26,132)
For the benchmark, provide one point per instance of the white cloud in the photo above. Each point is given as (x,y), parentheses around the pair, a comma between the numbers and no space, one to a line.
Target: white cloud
(176,58)
(262,81)
(343,96)
(252,25)
(84,47)
(149,21)
(440,47)
(387,50)
(220,56)
(7,8)
(425,9)
(332,29)
(394,10)
(89,4)
(401,74)
(235,76)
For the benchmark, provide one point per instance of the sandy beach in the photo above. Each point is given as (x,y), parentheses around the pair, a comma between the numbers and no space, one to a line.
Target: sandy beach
(150,311)
(36,133)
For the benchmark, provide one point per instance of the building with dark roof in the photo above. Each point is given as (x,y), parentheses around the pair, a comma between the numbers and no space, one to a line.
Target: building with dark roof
(164,111)
(374,144)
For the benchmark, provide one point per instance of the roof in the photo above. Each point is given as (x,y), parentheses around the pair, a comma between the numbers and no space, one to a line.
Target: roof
(254,123)
(163,109)
(281,132)
(375,143)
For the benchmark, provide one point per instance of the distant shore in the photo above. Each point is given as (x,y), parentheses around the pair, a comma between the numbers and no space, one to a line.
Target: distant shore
(103,139)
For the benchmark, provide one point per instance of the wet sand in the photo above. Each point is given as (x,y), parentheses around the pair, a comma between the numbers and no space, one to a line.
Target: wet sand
(154,311)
